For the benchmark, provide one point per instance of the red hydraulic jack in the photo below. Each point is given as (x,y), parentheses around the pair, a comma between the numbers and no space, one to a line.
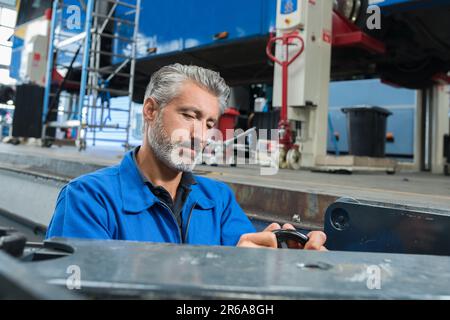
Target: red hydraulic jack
(287,40)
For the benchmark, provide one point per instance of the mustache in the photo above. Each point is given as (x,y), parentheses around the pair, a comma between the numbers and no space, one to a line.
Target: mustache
(193,144)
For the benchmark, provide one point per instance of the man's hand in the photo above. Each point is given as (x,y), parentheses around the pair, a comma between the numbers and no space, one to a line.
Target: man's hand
(267,239)
(316,241)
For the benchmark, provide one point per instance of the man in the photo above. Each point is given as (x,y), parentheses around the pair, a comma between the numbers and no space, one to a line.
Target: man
(152,194)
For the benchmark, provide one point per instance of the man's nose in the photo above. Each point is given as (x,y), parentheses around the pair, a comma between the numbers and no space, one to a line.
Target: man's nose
(200,132)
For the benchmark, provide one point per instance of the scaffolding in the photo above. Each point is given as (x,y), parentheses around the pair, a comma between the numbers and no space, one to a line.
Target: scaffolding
(92,58)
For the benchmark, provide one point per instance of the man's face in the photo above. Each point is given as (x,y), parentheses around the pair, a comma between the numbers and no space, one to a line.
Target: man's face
(177,133)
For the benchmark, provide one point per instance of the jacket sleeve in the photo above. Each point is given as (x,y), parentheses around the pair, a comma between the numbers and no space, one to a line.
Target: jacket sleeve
(235,222)
(79,214)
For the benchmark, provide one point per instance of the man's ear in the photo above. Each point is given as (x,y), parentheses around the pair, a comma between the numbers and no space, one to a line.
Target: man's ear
(150,110)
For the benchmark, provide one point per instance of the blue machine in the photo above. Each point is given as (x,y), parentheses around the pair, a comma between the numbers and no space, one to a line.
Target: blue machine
(173,26)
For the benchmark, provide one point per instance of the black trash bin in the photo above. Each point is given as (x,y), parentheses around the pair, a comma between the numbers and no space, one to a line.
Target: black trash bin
(366,127)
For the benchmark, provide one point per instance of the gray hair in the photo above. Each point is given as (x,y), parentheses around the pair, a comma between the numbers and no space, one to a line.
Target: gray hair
(165,84)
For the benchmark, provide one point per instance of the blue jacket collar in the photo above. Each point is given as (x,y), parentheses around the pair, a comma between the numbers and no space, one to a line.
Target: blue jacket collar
(137,197)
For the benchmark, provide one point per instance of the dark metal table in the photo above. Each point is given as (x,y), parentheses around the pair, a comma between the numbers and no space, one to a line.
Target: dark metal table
(110,269)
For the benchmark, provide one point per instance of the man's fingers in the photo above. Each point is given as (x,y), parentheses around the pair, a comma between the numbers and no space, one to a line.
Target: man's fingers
(273,227)
(256,240)
(267,239)
(316,241)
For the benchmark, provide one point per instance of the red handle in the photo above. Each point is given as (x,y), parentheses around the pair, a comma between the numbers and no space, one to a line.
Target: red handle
(287,39)
(272,40)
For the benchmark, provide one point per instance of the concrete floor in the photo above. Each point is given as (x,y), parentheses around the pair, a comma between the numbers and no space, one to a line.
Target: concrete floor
(417,189)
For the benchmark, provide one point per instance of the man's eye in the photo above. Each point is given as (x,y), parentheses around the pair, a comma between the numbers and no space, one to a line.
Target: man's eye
(188,116)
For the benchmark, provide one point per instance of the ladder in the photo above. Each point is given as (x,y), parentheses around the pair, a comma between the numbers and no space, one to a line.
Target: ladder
(93,46)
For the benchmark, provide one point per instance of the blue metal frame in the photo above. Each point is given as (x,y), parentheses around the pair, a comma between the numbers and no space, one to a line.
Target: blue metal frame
(49,72)
(87,44)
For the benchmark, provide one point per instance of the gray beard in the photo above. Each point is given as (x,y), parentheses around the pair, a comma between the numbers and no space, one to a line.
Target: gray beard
(163,148)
